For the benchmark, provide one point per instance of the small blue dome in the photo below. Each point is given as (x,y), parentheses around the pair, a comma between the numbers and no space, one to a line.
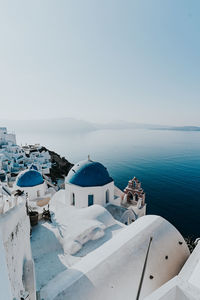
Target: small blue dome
(29,178)
(88,173)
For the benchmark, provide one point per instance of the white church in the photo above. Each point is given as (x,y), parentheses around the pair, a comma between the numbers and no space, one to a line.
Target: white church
(35,188)
(89,183)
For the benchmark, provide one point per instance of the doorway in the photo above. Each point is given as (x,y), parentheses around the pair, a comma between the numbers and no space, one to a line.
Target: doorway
(90,200)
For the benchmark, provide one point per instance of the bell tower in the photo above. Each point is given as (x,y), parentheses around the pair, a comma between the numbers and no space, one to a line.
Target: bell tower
(133,193)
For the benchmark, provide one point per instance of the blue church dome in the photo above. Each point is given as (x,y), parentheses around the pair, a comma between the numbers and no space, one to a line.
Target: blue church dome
(29,178)
(88,173)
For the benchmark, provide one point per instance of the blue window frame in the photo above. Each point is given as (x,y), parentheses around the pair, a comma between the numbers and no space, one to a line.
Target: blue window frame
(90,200)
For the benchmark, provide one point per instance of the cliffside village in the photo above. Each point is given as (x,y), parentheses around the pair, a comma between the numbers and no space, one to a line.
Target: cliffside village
(68,232)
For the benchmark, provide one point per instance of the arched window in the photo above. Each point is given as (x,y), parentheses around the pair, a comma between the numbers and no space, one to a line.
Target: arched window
(129,197)
(107,196)
(73,199)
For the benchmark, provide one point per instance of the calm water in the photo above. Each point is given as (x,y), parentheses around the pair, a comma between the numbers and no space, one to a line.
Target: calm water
(167,163)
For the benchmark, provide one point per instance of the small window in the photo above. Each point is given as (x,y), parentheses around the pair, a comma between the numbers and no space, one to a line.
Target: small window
(73,199)
(107,196)
(38,194)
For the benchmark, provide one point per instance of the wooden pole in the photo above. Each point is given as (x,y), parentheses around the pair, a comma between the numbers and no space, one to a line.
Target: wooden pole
(144,268)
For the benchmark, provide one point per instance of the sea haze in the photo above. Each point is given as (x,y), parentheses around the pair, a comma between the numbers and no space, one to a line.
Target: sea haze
(167,162)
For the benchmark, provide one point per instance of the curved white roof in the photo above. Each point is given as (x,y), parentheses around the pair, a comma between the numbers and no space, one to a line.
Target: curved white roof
(113,270)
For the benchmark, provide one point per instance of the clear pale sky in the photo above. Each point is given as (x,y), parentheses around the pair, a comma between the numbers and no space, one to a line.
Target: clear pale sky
(136,60)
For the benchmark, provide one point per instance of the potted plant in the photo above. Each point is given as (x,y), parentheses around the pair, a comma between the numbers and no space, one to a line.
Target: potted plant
(33,215)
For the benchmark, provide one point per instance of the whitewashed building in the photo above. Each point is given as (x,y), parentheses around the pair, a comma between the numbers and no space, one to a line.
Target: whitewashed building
(35,188)
(14,158)
(32,183)
(7,138)
(89,183)
(17,274)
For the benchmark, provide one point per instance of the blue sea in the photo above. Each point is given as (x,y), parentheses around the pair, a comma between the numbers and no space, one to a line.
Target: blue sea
(166,162)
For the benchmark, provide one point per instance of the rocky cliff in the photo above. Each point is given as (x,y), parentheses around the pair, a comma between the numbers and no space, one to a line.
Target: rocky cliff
(60,165)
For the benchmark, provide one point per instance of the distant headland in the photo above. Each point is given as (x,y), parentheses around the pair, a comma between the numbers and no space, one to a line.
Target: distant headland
(72,125)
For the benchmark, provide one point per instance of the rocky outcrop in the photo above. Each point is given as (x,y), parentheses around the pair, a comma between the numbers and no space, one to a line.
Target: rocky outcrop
(60,165)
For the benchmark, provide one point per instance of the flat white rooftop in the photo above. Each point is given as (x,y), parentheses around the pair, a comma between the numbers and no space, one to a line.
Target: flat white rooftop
(71,236)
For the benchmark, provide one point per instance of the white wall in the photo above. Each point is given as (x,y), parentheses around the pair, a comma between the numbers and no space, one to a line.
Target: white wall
(7,137)
(81,194)
(3,130)
(113,270)
(185,286)
(5,286)
(11,137)
(32,191)
(15,234)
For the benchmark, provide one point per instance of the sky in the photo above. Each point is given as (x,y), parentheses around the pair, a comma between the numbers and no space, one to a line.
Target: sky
(105,60)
